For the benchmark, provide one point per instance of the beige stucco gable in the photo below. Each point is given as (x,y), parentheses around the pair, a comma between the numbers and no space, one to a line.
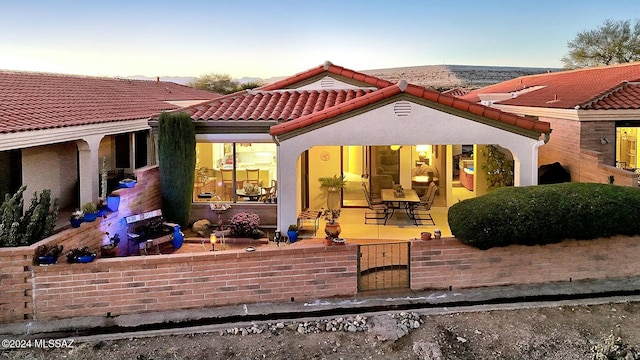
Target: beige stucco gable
(384,125)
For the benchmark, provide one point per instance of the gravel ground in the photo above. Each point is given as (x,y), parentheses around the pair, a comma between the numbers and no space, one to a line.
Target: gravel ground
(562,332)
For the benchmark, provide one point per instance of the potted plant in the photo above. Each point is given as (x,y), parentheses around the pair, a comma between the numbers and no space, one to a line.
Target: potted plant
(292,233)
(334,185)
(246,224)
(90,211)
(47,255)
(81,255)
(77,217)
(110,249)
(332,227)
(101,207)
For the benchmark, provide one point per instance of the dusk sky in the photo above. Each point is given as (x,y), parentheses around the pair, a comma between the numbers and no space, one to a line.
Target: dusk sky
(279,38)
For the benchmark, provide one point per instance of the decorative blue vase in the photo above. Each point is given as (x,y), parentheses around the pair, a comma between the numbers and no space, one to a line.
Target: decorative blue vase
(178,237)
(113,202)
(293,235)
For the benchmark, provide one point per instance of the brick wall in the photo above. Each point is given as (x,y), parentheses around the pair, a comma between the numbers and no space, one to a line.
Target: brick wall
(563,146)
(576,145)
(438,264)
(16,302)
(183,281)
(15,284)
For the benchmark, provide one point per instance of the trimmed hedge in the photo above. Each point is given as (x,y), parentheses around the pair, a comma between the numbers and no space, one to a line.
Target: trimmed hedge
(545,214)
(177,161)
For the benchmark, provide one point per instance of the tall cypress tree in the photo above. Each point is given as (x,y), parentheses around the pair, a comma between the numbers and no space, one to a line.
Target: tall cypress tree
(177,157)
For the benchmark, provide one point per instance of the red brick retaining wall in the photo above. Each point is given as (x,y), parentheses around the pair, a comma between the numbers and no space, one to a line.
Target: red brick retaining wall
(303,272)
(199,280)
(438,264)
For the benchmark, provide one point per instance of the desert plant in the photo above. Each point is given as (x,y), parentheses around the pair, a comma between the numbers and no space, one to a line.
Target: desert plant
(18,227)
(333,183)
(245,224)
(89,208)
(49,250)
(293,227)
(545,214)
(177,159)
(77,215)
(74,254)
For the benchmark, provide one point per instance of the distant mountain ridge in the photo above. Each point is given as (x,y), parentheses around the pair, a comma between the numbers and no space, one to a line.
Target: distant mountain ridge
(450,76)
(437,76)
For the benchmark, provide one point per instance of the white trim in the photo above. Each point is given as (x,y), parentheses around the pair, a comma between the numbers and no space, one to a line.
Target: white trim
(25,139)
(228,138)
(572,114)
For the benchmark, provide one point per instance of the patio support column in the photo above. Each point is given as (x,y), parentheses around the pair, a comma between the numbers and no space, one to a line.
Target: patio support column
(525,168)
(88,168)
(287,186)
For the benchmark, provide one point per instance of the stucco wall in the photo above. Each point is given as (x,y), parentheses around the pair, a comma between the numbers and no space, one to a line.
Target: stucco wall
(52,167)
(381,126)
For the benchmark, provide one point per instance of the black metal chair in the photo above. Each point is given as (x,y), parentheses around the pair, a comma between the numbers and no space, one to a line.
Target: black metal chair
(378,211)
(421,211)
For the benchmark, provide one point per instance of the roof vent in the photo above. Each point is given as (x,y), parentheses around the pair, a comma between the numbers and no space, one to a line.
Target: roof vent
(402,108)
(327,82)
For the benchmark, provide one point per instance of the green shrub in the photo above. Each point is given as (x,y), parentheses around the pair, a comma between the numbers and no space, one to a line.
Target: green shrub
(177,159)
(545,214)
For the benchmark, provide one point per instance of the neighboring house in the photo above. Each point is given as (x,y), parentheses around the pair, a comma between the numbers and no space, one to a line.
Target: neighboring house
(331,120)
(56,129)
(594,115)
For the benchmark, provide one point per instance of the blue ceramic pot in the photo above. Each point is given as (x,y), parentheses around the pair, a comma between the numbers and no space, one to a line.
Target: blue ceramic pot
(47,260)
(293,235)
(75,223)
(127,184)
(90,217)
(85,259)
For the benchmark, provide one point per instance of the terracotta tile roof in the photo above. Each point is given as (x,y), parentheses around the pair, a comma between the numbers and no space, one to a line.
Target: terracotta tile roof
(417,91)
(272,105)
(568,89)
(457,92)
(36,101)
(625,96)
(327,68)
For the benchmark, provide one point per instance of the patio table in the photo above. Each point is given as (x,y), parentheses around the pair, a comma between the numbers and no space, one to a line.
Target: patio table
(408,198)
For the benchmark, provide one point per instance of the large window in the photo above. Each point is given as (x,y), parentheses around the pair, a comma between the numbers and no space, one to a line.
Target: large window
(223,171)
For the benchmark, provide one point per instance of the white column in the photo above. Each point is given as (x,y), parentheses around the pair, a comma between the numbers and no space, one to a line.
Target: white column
(287,180)
(89,168)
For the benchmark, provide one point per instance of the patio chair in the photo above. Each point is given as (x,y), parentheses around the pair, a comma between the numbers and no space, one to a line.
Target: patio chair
(378,211)
(374,200)
(253,176)
(420,212)
(269,193)
(227,182)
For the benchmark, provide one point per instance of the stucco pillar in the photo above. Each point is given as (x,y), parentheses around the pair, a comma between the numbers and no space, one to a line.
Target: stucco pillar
(525,167)
(287,186)
(88,168)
